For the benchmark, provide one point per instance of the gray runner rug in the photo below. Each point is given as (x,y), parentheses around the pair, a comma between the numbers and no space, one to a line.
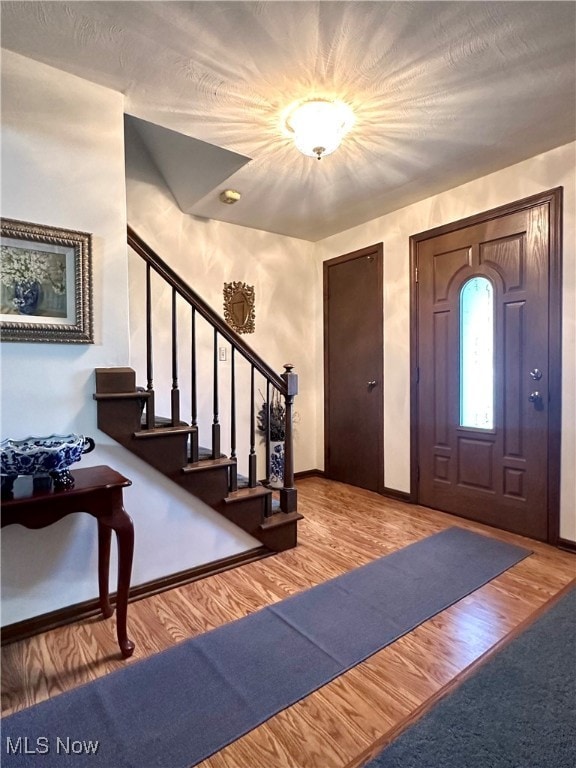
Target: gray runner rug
(182,705)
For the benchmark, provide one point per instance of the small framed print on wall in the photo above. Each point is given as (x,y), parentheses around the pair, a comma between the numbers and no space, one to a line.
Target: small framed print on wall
(45,284)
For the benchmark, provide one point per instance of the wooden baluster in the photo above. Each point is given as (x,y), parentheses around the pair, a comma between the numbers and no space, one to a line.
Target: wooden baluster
(252,482)
(215,423)
(267,435)
(288,494)
(175,393)
(234,467)
(194,391)
(150,416)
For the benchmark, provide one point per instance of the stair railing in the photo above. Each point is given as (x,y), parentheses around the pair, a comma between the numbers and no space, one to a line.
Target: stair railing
(286,383)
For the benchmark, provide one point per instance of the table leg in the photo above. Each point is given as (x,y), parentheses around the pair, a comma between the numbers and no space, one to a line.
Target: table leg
(125,538)
(97,491)
(104,536)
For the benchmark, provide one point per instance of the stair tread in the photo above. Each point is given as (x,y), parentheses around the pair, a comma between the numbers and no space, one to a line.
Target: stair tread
(246,493)
(279,519)
(163,431)
(204,464)
(121,395)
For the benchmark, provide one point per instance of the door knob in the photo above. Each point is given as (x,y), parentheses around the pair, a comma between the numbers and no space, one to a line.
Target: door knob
(371,384)
(535,397)
(535,374)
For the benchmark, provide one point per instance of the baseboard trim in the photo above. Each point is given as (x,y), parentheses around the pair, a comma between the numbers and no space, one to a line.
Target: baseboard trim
(308,473)
(392,493)
(20,630)
(389,492)
(569,546)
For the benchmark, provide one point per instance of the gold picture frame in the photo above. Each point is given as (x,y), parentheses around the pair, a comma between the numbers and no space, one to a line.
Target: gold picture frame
(239,307)
(45,284)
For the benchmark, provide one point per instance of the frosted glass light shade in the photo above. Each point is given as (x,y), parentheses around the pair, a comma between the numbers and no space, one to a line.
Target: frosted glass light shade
(318,127)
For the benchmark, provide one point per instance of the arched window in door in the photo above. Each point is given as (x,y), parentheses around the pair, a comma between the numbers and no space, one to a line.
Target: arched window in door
(477,354)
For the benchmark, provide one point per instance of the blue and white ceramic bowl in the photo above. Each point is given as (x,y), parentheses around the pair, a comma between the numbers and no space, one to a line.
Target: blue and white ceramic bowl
(43,455)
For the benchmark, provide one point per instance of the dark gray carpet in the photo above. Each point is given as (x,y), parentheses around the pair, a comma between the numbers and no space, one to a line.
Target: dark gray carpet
(180,706)
(517,711)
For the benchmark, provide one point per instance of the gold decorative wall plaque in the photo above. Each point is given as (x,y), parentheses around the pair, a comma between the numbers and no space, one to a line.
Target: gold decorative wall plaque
(239,311)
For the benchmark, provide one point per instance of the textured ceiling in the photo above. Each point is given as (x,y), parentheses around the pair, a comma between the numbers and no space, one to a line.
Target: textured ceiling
(443,92)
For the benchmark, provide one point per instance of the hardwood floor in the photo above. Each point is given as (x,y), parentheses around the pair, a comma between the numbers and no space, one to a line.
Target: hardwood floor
(349,720)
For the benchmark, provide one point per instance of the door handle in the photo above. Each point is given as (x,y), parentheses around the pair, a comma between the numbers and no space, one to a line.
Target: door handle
(535,397)
(371,384)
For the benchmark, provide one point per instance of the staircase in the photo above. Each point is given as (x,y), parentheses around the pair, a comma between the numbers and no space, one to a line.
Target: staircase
(126,411)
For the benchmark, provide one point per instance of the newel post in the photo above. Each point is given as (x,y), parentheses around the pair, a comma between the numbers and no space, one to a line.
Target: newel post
(288,492)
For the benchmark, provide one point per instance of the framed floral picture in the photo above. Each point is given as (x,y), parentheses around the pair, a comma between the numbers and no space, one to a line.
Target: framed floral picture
(45,284)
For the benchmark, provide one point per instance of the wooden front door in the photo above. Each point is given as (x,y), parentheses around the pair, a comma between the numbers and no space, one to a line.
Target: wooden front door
(353,368)
(487,347)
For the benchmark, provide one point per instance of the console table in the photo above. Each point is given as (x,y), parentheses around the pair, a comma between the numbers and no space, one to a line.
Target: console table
(97,491)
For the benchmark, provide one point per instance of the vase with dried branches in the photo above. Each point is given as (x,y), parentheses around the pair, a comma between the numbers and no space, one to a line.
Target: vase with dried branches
(272,417)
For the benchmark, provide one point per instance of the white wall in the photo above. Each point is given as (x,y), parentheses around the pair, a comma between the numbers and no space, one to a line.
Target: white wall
(207,254)
(63,165)
(551,169)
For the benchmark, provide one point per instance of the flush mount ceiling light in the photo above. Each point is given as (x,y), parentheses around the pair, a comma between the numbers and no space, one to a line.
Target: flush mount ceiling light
(318,125)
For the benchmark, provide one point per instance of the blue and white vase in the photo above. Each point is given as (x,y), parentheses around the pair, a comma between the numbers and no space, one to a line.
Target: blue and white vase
(276,479)
(27,295)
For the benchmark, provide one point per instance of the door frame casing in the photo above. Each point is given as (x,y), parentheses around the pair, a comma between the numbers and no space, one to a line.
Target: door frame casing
(553,198)
(377,250)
